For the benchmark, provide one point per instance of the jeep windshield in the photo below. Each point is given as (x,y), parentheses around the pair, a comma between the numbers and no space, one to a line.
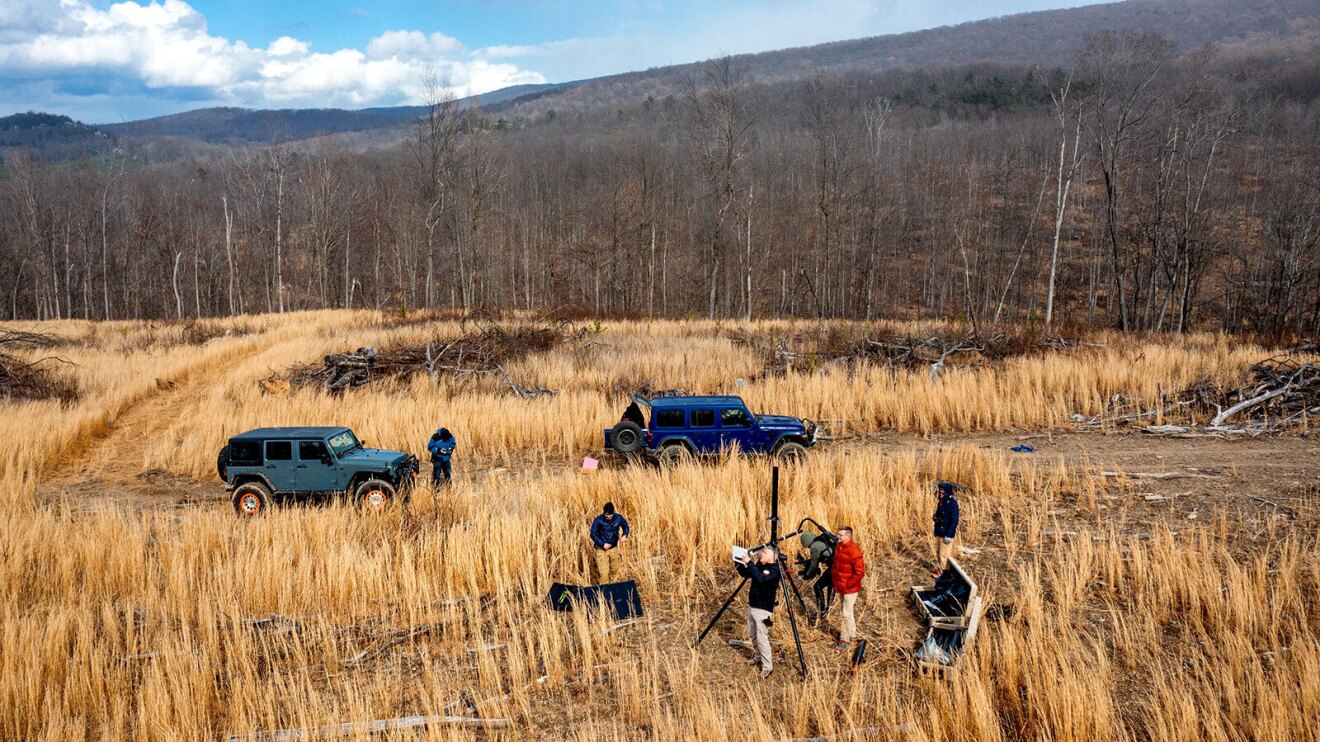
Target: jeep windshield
(344,442)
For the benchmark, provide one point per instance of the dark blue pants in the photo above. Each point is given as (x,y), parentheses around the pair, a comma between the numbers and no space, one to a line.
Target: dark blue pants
(440,472)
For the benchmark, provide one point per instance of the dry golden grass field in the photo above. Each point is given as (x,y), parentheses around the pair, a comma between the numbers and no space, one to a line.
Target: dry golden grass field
(134,604)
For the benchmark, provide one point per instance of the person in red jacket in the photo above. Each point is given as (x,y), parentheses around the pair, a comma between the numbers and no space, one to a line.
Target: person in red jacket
(848,571)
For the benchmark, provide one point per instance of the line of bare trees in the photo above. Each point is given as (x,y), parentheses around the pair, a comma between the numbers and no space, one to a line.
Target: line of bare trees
(1140,189)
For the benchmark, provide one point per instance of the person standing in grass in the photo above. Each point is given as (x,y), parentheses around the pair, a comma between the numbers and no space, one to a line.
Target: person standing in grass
(761,599)
(817,569)
(946,525)
(848,570)
(608,531)
(441,446)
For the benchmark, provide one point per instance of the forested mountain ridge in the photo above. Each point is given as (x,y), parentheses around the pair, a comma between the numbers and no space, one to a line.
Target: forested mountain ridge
(1048,38)
(1142,185)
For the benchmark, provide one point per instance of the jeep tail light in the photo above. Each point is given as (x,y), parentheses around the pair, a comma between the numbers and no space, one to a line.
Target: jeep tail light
(648,438)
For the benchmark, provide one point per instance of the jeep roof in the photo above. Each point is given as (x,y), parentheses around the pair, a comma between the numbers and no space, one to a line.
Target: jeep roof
(712,400)
(306,431)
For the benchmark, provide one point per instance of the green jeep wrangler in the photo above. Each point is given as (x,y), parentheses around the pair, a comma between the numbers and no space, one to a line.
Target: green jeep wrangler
(263,464)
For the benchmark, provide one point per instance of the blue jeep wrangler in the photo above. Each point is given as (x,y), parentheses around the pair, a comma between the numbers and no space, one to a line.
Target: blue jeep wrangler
(266,463)
(684,427)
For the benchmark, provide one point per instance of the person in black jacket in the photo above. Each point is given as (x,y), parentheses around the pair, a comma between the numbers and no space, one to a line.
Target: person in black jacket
(946,525)
(763,570)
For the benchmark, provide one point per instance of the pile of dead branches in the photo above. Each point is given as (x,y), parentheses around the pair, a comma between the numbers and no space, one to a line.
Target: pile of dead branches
(1282,392)
(484,349)
(810,351)
(22,379)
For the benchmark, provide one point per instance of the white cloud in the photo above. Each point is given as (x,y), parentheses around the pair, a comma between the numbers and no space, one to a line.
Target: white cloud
(166,44)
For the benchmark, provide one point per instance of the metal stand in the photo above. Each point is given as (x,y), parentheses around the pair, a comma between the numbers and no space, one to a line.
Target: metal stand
(786,578)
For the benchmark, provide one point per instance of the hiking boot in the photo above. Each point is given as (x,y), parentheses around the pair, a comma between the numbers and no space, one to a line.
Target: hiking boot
(841,645)
(753,660)
(765,673)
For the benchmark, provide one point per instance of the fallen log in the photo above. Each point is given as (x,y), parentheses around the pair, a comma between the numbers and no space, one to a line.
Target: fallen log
(379,726)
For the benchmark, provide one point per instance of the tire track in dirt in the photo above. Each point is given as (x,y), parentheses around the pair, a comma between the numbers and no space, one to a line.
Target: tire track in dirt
(111,463)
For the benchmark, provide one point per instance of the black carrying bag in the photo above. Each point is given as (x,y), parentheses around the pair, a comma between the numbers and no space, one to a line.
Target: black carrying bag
(621,598)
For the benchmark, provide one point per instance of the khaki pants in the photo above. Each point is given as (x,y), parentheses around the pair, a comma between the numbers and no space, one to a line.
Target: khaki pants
(848,627)
(607,565)
(943,549)
(758,634)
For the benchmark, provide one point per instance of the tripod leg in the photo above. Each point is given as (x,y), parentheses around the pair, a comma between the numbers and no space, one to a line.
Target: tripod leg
(793,582)
(721,611)
(792,622)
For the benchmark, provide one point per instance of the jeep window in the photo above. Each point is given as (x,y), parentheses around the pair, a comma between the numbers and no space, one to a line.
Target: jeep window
(735,418)
(279,451)
(344,442)
(312,451)
(245,453)
(668,419)
(703,418)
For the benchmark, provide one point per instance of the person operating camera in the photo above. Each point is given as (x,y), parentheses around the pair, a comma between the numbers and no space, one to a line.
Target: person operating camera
(762,568)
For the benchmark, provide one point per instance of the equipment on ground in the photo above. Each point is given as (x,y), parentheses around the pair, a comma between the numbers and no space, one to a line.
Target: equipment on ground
(620,597)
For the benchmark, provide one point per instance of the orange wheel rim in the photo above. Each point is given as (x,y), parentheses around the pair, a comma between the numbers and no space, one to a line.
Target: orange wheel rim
(250,504)
(374,500)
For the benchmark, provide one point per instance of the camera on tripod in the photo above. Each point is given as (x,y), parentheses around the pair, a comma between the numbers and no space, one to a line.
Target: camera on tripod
(751,554)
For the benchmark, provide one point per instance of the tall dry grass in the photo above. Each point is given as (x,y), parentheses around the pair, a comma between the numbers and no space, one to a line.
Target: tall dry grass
(132,622)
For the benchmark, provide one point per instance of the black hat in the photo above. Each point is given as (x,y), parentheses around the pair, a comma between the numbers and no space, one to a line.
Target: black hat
(609,508)
(945,488)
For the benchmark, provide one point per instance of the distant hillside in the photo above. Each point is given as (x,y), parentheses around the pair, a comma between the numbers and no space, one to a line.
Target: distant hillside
(1047,37)
(1052,37)
(52,135)
(242,125)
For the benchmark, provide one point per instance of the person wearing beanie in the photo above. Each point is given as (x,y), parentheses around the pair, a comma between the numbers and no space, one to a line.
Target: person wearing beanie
(817,568)
(608,531)
(946,525)
(441,446)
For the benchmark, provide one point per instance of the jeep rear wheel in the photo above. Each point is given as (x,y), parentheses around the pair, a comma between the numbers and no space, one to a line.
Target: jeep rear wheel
(251,499)
(791,453)
(674,454)
(374,496)
(626,437)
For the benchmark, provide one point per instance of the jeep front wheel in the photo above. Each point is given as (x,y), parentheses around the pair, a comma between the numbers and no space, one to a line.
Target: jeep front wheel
(251,499)
(791,453)
(674,454)
(374,496)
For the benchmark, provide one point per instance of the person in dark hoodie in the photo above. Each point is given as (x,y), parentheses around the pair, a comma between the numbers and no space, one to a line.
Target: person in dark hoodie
(946,525)
(441,446)
(608,531)
(817,567)
(762,569)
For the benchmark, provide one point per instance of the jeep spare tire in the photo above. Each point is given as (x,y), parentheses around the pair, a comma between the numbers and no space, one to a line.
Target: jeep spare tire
(222,463)
(627,437)
(374,496)
(251,499)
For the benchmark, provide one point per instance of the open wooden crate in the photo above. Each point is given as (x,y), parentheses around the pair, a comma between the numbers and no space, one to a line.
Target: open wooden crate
(960,619)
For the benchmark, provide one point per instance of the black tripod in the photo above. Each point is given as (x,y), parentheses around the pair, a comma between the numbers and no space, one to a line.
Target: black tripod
(784,570)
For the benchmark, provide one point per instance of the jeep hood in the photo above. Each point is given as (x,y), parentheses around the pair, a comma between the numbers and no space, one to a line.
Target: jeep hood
(781,422)
(368,457)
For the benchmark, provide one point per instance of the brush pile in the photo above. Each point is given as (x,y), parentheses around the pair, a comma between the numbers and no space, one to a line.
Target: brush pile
(483,349)
(22,379)
(807,352)
(1281,392)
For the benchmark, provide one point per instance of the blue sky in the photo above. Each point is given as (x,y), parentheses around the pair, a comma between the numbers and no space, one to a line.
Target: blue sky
(100,61)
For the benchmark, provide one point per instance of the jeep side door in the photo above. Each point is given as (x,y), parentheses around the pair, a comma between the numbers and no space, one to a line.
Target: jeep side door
(279,466)
(703,429)
(317,470)
(737,426)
